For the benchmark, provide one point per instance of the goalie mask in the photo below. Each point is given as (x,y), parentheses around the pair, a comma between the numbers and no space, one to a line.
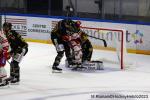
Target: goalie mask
(78,23)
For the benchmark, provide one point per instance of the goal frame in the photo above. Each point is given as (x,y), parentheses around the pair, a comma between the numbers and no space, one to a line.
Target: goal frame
(121,44)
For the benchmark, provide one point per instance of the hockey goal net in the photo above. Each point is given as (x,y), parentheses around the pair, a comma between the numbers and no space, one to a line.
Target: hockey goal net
(115,39)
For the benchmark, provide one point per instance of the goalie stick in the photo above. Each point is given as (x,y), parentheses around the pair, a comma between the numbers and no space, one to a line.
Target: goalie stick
(104,41)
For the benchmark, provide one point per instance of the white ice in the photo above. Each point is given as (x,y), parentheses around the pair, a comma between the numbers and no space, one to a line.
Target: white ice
(39,83)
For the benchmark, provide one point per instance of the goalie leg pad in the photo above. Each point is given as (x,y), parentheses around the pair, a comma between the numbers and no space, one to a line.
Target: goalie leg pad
(78,57)
(2,60)
(2,72)
(93,65)
(3,81)
(77,54)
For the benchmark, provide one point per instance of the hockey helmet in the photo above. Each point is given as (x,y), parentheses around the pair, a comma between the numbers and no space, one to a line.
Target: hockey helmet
(7,25)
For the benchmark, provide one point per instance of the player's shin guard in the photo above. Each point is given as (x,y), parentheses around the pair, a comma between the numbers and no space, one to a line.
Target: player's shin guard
(14,72)
(3,76)
(58,58)
(57,61)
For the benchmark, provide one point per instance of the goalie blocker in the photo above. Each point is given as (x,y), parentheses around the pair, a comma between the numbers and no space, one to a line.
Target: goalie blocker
(88,65)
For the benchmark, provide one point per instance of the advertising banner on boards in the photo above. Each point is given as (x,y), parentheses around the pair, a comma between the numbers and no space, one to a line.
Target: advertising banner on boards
(39,28)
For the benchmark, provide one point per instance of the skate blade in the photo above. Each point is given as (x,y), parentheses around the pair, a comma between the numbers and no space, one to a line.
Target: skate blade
(16,83)
(78,69)
(56,71)
(5,83)
(2,86)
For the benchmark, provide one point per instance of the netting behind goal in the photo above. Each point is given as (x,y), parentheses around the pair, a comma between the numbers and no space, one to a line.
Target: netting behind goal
(115,39)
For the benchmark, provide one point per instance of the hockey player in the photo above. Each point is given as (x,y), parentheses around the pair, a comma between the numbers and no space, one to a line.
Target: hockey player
(19,48)
(61,30)
(4,55)
(74,43)
(87,48)
(73,39)
(58,43)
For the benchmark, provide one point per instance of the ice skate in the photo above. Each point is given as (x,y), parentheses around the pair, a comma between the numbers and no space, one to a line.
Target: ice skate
(56,70)
(14,81)
(3,82)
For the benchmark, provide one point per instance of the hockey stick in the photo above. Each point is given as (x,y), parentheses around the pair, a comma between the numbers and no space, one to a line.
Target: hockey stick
(104,41)
(8,62)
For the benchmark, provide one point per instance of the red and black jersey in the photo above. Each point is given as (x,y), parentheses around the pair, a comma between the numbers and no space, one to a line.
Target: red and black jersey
(3,42)
(4,46)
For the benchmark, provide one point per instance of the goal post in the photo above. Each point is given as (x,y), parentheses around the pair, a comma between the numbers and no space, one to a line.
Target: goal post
(115,39)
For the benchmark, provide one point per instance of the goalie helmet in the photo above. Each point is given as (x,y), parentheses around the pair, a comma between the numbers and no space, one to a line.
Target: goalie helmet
(78,23)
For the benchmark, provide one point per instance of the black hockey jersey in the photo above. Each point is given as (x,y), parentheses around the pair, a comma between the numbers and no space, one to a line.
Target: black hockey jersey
(15,40)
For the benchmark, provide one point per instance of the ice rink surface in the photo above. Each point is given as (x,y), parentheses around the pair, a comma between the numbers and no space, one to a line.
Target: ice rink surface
(39,83)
